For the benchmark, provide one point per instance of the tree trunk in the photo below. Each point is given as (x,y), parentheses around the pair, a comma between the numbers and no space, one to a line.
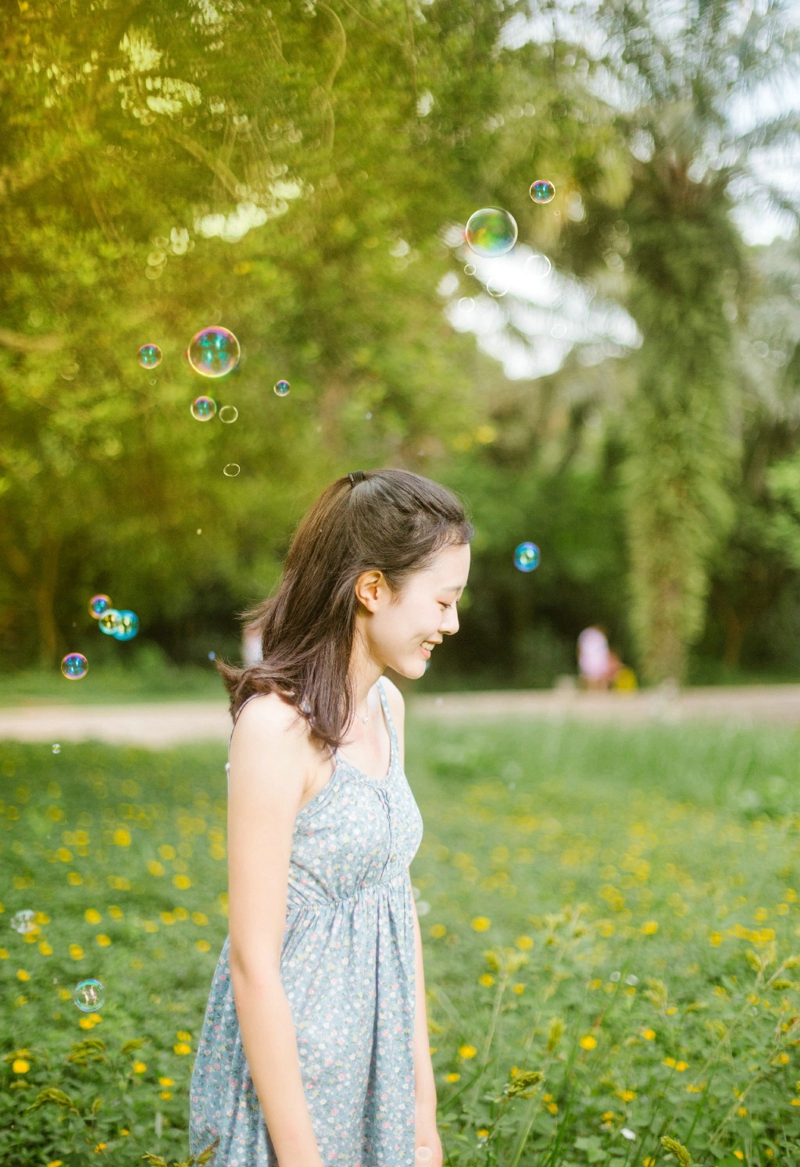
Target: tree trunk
(45,593)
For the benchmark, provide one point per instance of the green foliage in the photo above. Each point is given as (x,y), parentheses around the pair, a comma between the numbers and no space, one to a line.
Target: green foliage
(587,856)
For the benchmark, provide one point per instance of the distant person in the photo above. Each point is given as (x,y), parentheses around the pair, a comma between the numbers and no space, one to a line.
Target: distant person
(315,1046)
(251,644)
(594,657)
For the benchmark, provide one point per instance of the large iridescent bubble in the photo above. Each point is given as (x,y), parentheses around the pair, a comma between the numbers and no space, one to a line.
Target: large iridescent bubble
(74,666)
(24,921)
(213,352)
(129,626)
(149,356)
(526,557)
(98,605)
(110,622)
(491,232)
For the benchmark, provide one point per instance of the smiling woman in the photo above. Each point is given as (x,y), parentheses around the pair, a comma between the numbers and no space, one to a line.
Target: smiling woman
(315,1043)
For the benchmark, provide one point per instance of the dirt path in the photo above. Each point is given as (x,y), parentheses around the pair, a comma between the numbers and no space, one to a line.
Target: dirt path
(166,724)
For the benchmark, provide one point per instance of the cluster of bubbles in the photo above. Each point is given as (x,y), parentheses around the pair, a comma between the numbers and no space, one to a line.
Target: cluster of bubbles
(204,408)
(526,557)
(24,921)
(492,232)
(122,624)
(89,995)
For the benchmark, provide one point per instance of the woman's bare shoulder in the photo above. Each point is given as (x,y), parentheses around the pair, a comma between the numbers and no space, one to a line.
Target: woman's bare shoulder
(270,718)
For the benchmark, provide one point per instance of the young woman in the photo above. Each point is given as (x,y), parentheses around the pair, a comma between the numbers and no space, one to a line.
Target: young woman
(314,1050)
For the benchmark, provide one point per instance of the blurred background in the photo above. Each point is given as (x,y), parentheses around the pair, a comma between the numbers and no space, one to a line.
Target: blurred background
(621,389)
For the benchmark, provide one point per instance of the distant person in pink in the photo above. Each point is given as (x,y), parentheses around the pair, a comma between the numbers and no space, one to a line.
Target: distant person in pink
(595,658)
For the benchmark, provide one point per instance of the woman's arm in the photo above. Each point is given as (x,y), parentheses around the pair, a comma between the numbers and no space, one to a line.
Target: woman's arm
(426,1131)
(269,761)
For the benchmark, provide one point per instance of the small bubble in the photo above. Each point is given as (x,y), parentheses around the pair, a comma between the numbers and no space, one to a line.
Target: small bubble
(542,191)
(199,530)
(149,356)
(98,605)
(614,976)
(491,232)
(110,622)
(496,288)
(24,921)
(231,470)
(212,656)
(129,626)
(631,979)
(89,995)
(466,304)
(538,266)
(74,666)
(213,352)
(203,408)
(153,380)
(368,416)
(469,269)
(56,748)
(228,414)
(526,557)
(282,388)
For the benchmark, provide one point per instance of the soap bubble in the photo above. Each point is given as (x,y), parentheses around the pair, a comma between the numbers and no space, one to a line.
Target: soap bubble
(213,352)
(228,414)
(614,976)
(110,622)
(231,470)
(74,666)
(282,388)
(469,269)
(203,408)
(129,626)
(24,921)
(212,656)
(491,232)
(526,557)
(149,356)
(98,605)
(89,995)
(496,287)
(538,266)
(466,304)
(542,191)
(56,748)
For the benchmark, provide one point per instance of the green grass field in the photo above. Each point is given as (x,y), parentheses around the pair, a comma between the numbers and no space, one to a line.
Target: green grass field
(612,908)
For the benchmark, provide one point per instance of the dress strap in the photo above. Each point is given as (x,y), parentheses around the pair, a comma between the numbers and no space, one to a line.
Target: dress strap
(388,714)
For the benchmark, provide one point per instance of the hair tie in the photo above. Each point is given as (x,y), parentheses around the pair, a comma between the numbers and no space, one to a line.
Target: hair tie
(355,477)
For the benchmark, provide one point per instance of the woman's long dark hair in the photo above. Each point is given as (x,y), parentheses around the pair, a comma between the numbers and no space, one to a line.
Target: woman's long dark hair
(391,520)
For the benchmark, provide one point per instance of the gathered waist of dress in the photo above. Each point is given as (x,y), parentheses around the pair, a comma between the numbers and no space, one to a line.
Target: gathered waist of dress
(367,891)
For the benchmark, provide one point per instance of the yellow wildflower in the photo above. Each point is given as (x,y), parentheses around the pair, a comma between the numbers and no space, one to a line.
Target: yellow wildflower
(437,931)
(45,948)
(524,942)
(627,1095)
(588,1042)
(182,1048)
(715,939)
(649,927)
(520,988)
(202,945)
(482,1133)
(139,1067)
(481,923)
(467,1051)
(22,975)
(122,837)
(742,1111)
(182,1035)
(165,1093)
(76,952)
(103,940)
(100,1147)
(181,882)
(155,868)
(55,1163)
(165,1082)
(595,984)
(92,916)
(739,1154)
(649,1034)
(681,1066)
(451,1077)
(20,1066)
(486,979)
(552,1107)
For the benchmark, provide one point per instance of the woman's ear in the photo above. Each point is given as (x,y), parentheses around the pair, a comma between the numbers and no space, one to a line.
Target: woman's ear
(368,589)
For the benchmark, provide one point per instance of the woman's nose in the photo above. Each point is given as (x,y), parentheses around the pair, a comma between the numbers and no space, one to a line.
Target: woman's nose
(450,624)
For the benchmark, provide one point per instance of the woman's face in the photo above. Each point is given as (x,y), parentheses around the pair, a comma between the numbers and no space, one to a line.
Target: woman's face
(396,628)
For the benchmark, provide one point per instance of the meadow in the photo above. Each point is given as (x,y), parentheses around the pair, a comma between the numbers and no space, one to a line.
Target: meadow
(611,925)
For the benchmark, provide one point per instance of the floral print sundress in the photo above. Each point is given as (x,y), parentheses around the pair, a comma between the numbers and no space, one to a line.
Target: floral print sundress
(348,970)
